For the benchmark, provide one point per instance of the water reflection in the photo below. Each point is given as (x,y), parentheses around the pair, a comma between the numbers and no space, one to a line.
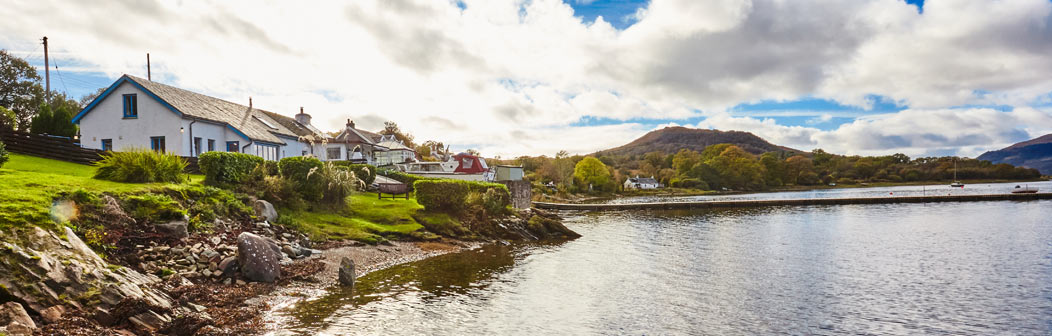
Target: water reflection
(901,269)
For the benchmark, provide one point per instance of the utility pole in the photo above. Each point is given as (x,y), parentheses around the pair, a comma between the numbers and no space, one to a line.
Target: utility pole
(148,77)
(47,74)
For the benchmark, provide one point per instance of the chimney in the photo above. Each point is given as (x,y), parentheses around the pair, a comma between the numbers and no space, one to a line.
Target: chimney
(250,102)
(350,124)
(303,118)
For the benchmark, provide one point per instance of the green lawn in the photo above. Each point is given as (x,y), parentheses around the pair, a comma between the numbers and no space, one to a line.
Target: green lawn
(28,184)
(367,219)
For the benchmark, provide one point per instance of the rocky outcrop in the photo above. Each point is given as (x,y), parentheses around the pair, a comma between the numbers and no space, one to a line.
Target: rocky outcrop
(265,210)
(14,319)
(346,273)
(531,225)
(42,270)
(258,257)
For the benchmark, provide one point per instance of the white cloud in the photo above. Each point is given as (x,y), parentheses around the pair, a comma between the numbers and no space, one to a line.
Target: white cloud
(478,75)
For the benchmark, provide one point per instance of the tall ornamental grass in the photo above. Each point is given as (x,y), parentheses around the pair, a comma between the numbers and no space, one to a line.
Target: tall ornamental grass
(140,166)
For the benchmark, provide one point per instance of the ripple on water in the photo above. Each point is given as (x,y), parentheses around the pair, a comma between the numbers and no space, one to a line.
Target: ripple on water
(898,269)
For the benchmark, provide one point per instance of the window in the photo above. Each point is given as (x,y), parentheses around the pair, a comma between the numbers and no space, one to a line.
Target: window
(304,153)
(332,153)
(466,163)
(267,152)
(157,143)
(265,122)
(232,146)
(211,145)
(131,108)
(107,144)
(197,146)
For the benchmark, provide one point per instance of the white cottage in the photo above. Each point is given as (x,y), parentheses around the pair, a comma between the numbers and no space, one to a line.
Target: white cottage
(642,183)
(138,113)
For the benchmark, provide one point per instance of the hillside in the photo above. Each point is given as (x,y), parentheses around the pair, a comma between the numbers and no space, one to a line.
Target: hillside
(1035,153)
(672,139)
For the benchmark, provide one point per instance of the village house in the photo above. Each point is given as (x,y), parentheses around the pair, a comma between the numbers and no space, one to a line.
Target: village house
(397,152)
(642,183)
(139,113)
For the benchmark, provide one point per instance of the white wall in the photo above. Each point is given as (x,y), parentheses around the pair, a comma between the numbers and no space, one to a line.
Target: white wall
(293,148)
(205,131)
(106,121)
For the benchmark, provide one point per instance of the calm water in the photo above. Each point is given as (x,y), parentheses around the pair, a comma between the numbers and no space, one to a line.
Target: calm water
(941,189)
(903,269)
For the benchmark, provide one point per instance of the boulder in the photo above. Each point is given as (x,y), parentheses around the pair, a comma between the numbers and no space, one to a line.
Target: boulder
(265,210)
(174,229)
(13,313)
(228,266)
(53,314)
(17,329)
(347,272)
(258,257)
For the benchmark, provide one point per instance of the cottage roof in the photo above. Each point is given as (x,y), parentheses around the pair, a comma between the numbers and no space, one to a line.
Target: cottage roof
(294,126)
(249,122)
(392,143)
(642,180)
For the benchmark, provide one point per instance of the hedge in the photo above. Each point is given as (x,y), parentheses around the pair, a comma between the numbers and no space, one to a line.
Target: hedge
(3,154)
(408,179)
(364,172)
(298,170)
(445,195)
(226,168)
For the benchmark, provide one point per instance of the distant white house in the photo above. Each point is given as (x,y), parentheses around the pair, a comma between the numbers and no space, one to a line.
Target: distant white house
(642,183)
(138,113)
(397,152)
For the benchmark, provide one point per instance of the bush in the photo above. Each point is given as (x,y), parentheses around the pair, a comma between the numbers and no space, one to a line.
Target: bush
(451,196)
(305,174)
(364,172)
(227,168)
(339,182)
(153,208)
(408,179)
(3,154)
(141,166)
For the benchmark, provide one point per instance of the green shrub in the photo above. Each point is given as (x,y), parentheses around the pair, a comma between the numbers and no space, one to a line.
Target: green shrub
(140,166)
(408,179)
(451,196)
(227,168)
(364,172)
(305,174)
(3,154)
(153,208)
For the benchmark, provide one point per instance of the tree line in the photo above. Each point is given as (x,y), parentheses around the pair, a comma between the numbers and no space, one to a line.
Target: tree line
(729,167)
(26,106)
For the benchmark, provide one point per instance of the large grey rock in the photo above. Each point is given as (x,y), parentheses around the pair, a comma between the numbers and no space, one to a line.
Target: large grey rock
(174,229)
(12,312)
(258,257)
(347,272)
(42,270)
(265,209)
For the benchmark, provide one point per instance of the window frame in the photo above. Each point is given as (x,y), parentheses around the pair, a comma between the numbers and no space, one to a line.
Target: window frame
(157,141)
(237,146)
(211,145)
(106,144)
(330,150)
(131,106)
(197,146)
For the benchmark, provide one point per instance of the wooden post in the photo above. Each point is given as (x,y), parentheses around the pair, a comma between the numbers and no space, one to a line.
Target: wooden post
(47,75)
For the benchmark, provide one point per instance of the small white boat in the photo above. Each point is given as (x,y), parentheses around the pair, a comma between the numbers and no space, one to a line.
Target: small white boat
(1024,190)
(956,183)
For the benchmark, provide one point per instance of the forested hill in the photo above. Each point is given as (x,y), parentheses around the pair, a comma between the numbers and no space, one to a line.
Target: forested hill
(1035,153)
(672,139)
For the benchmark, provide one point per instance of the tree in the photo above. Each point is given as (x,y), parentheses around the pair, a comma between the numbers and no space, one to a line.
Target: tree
(391,128)
(59,122)
(591,171)
(8,121)
(86,99)
(20,89)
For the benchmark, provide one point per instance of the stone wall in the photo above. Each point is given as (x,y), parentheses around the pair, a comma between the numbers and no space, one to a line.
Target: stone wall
(521,193)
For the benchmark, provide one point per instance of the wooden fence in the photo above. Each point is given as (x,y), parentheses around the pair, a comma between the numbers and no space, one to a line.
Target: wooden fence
(62,148)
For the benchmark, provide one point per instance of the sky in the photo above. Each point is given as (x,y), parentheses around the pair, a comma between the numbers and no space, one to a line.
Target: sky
(533,77)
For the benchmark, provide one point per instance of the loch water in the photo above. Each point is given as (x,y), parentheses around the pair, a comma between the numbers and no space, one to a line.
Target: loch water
(969,268)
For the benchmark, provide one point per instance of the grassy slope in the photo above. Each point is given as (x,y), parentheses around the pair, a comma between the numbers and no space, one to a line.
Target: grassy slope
(366,218)
(28,185)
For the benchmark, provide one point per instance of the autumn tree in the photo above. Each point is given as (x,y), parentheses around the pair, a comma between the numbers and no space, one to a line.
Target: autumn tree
(20,90)
(391,128)
(592,172)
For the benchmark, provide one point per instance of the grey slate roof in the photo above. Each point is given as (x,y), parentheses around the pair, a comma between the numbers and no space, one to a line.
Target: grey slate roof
(292,125)
(642,180)
(200,106)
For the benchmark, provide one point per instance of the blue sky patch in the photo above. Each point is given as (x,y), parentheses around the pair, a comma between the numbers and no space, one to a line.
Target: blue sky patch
(617,12)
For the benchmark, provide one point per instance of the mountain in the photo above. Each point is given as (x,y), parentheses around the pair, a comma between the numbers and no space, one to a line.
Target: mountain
(1035,153)
(672,139)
